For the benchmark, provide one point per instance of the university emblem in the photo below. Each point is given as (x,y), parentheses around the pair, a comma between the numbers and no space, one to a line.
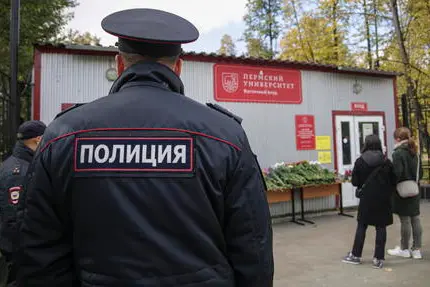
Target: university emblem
(230,82)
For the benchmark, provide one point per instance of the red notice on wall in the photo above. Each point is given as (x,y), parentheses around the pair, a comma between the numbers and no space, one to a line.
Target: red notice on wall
(305,132)
(359,107)
(239,83)
(65,106)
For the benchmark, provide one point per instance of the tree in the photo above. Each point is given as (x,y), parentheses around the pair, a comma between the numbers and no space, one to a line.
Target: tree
(335,13)
(228,48)
(75,37)
(312,41)
(413,45)
(40,21)
(263,26)
(293,12)
(370,30)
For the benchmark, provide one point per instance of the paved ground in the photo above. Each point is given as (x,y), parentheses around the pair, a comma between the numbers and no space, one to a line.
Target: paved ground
(310,256)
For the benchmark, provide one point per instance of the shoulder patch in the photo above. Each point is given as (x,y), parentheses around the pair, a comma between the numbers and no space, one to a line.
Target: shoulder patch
(68,110)
(14,193)
(225,112)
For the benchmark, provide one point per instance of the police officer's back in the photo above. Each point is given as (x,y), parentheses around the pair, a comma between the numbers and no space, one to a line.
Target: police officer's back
(12,181)
(146,187)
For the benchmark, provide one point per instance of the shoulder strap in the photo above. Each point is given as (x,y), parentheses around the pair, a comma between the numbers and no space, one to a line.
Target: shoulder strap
(418,168)
(68,110)
(374,172)
(225,112)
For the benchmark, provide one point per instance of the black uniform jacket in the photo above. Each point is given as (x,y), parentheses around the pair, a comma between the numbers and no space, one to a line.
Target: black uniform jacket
(12,181)
(146,187)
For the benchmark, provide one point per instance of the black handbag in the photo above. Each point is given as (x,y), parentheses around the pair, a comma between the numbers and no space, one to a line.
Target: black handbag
(359,191)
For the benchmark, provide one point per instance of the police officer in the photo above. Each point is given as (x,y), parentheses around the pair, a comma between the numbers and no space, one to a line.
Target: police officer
(12,180)
(146,187)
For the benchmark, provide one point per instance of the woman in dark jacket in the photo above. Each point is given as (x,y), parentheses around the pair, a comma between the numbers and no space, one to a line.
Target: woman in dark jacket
(405,160)
(374,177)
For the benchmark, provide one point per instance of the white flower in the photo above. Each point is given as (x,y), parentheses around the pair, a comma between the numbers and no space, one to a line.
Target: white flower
(278,164)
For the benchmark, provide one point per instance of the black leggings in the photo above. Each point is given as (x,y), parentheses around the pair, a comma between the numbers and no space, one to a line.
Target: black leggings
(360,236)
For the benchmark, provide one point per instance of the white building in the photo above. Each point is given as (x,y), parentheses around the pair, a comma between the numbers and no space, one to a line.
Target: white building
(291,111)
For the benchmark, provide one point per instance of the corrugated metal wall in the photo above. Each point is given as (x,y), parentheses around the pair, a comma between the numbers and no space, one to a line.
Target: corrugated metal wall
(71,79)
(270,127)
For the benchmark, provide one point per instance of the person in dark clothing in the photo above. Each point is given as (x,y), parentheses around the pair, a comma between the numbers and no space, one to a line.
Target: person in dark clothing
(12,181)
(374,177)
(405,160)
(146,187)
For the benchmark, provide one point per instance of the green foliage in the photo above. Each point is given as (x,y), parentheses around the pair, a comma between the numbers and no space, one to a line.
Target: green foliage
(228,48)
(257,49)
(75,37)
(286,176)
(263,26)
(40,21)
(314,43)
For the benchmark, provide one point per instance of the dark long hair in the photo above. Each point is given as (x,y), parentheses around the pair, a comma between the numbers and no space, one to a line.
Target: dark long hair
(403,134)
(372,142)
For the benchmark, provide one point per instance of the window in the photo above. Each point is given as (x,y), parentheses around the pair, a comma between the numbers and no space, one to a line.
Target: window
(365,129)
(346,143)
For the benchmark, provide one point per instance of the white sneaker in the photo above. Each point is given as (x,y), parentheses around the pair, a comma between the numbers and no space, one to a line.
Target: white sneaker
(416,254)
(399,252)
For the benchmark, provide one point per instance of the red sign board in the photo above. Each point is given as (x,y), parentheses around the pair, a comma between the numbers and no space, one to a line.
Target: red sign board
(359,107)
(305,132)
(239,83)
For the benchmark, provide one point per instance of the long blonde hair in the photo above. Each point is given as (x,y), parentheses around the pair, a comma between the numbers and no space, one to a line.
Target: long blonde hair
(404,134)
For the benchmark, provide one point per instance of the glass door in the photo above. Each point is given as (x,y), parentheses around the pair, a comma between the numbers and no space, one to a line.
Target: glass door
(346,147)
(368,125)
(351,131)
(346,142)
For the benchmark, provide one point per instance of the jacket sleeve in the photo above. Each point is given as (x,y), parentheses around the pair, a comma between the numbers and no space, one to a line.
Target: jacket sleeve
(393,177)
(355,177)
(45,255)
(398,164)
(248,230)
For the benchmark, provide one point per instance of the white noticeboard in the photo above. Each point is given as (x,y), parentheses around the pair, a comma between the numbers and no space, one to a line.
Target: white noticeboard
(367,130)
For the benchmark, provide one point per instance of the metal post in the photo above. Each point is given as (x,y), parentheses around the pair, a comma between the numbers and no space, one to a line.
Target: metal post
(15,104)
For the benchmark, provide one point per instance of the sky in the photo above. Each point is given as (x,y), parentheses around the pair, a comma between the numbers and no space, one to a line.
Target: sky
(213,19)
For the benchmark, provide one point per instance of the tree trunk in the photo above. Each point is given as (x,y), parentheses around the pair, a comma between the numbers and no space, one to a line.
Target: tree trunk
(410,90)
(367,28)
(335,35)
(270,30)
(375,12)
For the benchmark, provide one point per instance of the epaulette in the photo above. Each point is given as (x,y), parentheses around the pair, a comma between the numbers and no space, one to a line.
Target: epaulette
(225,112)
(68,110)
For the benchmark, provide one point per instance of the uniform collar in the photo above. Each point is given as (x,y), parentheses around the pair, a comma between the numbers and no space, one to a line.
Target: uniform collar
(148,72)
(23,152)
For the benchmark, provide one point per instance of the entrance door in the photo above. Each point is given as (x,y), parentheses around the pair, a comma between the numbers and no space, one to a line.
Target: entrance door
(351,132)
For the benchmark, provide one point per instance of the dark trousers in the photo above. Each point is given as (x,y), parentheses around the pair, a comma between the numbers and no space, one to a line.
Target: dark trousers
(360,236)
